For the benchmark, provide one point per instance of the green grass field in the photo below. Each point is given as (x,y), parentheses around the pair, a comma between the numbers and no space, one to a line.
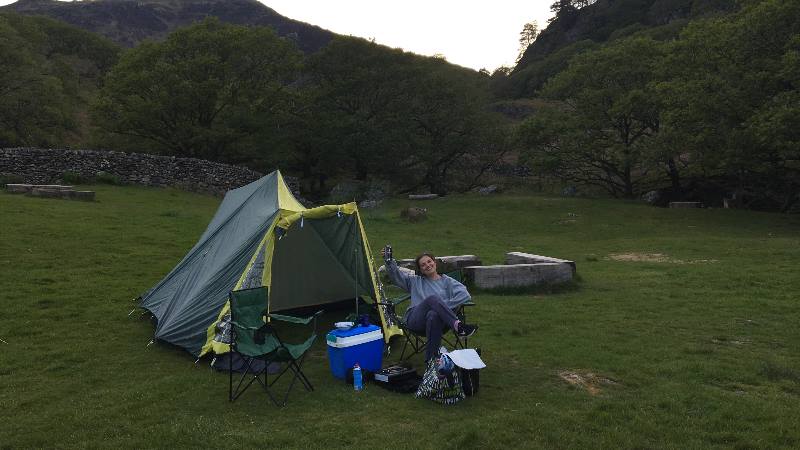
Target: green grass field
(687,319)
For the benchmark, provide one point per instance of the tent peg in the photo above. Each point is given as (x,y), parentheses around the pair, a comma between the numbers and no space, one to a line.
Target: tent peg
(129,314)
(150,343)
(301,220)
(213,361)
(4,342)
(196,361)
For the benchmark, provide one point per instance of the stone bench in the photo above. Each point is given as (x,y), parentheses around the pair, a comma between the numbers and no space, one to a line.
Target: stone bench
(518,275)
(520,270)
(27,188)
(685,204)
(445,263)
(423,196)
(528,258)
(50,191)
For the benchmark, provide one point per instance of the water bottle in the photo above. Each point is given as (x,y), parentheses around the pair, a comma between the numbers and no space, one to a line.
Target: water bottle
(358,384)
(387,253)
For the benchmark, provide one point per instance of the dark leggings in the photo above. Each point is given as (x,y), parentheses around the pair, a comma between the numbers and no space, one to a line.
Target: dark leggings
(431,318)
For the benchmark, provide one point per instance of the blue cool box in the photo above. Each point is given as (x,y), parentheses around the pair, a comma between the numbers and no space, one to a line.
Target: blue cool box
(362,345)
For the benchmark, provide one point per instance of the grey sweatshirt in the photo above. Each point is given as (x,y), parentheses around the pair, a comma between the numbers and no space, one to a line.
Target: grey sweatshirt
(451,291)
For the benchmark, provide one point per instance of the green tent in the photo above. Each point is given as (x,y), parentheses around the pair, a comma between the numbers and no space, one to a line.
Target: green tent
(262,236)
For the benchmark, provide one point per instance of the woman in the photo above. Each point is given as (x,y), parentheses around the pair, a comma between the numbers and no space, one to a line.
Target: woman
(433,299)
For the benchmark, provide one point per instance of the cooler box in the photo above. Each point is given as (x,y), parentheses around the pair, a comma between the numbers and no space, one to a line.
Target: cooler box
(362,345)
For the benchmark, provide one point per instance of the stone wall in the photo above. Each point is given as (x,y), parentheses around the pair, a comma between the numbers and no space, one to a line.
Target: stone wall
(46,166)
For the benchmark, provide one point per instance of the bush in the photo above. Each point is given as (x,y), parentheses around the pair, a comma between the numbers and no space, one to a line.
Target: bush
(107,178)
(10,178)
(70,177)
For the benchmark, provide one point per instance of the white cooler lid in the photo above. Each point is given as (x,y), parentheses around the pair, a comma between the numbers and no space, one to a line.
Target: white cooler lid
(350,341)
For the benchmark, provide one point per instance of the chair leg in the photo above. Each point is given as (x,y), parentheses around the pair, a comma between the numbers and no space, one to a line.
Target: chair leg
(235,393)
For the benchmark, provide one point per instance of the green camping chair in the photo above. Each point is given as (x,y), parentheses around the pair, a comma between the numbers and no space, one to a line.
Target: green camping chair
(414,342)
(254,339)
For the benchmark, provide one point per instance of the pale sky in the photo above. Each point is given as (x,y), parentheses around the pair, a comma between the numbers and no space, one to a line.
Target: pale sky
(470,33)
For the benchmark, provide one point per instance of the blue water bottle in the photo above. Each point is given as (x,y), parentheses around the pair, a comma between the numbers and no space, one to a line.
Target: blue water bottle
(358,384)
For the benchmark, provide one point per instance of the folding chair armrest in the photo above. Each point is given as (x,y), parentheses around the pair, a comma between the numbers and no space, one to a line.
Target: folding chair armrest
(293,319)
(401,299)
(243,327)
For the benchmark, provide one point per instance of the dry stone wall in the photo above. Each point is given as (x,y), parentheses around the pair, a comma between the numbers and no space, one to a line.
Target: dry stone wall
(46,166)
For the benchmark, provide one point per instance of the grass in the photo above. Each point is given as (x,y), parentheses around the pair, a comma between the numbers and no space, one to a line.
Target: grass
(691,314)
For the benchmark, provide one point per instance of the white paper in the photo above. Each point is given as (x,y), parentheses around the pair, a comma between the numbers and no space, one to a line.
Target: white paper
(466,359)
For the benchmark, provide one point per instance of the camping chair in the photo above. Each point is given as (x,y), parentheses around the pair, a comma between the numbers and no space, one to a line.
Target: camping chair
(254,339)
(415,342)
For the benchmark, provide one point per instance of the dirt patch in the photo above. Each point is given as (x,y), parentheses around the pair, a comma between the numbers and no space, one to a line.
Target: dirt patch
(655,257)
(640,257)
(587,380)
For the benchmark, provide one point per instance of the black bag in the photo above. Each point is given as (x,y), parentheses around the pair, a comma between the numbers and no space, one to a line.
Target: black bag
(470,379)
(399,378)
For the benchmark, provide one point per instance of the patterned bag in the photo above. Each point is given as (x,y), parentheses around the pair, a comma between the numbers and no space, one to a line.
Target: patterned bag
(445,390)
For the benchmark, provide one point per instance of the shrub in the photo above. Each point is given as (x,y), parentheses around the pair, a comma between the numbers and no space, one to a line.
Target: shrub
(10,178)
(70,177)
(107,178)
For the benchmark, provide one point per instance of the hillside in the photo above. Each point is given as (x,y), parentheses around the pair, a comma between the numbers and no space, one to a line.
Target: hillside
(575,30)
(128,22)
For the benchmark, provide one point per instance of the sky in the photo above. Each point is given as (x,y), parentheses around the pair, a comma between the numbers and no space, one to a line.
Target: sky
(471,33)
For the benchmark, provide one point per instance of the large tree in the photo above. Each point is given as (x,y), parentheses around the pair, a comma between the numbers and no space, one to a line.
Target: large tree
(731,101)
(202,93)
(383,113)
(448,125)
(603,114)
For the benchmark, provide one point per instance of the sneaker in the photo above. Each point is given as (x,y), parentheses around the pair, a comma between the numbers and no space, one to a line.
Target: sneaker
(465,330)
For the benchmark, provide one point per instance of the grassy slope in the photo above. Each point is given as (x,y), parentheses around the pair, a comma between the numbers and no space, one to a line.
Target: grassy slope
(703,347)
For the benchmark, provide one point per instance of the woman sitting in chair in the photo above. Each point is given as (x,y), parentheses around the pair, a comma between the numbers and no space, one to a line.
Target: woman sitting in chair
(433,299)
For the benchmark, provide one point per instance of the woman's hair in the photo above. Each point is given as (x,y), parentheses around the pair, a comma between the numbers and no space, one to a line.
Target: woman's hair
(422,255)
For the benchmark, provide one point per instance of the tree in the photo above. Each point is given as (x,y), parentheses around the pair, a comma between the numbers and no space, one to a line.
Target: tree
(604,114)
(529,33)
(355,91)
(34,110)
(381,113)
(201,93)
(730,101)
(447,124)
(561,9)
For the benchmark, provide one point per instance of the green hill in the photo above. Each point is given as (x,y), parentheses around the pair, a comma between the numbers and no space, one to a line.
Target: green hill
(128,22)
(576,29)
(682,328)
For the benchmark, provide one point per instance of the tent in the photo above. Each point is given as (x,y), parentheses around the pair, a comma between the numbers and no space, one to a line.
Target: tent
(262,236)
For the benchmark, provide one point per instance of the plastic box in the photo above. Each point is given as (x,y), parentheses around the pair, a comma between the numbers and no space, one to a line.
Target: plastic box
(362,345)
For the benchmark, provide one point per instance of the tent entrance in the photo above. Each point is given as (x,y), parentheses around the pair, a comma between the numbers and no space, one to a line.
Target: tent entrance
(322,261)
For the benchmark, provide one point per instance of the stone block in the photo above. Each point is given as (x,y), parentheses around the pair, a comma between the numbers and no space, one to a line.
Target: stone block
(685,204)
(19,188)
(518,275)
(48,193)
(451,263)
(406,263)
(423,196)
(529,258)
(54,187)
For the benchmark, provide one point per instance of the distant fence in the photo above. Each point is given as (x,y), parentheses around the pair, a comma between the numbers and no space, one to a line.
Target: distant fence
(46,166)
